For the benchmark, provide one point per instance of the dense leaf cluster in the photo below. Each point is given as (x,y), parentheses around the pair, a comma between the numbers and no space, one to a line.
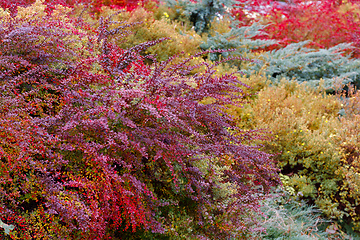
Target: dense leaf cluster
(93,5)
(101,138)
(315,138)
(94,144)
(295,61)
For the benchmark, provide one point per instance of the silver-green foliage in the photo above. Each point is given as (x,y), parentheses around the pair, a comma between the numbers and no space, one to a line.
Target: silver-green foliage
(239,38)
(303,64)
(7,228)
(285,218)
(201,13)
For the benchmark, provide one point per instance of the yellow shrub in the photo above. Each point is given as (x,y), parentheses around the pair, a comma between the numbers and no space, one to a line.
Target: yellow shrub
(313,144)
(148,28)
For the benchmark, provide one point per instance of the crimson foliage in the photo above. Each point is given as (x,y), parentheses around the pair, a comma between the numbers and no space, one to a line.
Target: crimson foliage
(94,143)
(324,23)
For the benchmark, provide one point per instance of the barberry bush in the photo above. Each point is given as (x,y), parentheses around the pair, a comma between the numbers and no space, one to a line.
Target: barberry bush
(93,5)
(95,144)
(146,27)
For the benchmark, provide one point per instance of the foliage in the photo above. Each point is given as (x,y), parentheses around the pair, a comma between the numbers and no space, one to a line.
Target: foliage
(324,24)
(315,146)
(303,64)
(285,218)
(306,157)
(248,11)
(147,28)
(225,35)
(7,228)
(201,13)
(221,31)
(94,5)
(296,60)
(94,144)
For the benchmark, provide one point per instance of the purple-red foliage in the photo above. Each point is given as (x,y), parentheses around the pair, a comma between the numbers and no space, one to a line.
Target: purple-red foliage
(92,144)
(94,4)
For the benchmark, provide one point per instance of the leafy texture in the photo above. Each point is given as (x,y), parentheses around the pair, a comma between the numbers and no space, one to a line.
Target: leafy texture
(240,38)
(316,146)
(94,144)
(94,5)
(324,24)
(201,13)
(303,64)
(288,219)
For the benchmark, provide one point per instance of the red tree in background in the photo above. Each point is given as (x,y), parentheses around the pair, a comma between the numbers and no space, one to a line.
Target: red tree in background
(324,23)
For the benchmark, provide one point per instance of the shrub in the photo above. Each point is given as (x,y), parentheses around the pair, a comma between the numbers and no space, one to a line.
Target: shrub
(224,34)
(221,31)
(285,218)
(94,5)
(201,13)
(311,144)
(96,144)
(150,29)
(297,62)
(324,24)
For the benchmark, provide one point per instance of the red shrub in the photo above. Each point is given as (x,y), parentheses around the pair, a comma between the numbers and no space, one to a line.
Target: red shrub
(96,4)
(92,146)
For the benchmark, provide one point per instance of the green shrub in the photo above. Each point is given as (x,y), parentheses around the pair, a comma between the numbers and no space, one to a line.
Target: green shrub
(303,64)
(313,144)
(224,34)
(285,218)
(201,13)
